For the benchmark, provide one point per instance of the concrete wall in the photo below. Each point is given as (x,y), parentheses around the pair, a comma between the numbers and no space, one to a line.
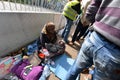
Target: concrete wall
(19,29)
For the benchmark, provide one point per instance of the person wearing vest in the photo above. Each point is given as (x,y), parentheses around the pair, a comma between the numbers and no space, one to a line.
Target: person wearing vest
(83,24)
(71,10)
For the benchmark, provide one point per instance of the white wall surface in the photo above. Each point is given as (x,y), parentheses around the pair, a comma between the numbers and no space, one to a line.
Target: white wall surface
(19,29)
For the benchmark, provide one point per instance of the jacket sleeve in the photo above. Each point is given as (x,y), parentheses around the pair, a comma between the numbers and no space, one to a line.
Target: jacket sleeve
(92,10)
(43,39)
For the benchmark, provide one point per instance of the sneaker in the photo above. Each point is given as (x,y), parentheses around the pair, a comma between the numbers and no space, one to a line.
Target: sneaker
(71,43)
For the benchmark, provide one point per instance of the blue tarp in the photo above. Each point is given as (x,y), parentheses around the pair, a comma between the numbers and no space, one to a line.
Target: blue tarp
(62,65)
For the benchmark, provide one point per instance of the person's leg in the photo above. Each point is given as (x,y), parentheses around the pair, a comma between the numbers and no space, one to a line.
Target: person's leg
(67,30)
(66,24)
(63,31)
(85,34)
(77,30)
(82,61)
(82,32)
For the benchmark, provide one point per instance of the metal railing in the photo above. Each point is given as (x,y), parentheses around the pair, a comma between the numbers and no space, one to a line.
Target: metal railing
(32,5)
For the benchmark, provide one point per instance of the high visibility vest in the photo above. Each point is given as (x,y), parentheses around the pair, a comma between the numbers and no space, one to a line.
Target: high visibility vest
(69,12)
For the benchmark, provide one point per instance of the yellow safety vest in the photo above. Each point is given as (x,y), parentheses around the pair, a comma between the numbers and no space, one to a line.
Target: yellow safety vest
(69,12)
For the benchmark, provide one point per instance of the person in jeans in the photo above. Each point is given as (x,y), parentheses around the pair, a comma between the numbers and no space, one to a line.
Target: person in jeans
(102,46)
(70,11)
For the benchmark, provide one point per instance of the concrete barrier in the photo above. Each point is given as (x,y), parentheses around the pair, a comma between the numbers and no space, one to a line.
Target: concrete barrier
(18,28)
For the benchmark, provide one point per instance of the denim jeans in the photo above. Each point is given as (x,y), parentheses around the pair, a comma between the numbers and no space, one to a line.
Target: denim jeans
(66,31)
(103,54)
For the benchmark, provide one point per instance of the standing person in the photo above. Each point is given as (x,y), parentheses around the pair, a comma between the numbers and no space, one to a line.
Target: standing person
(70,11)
(83,23)
(102,46)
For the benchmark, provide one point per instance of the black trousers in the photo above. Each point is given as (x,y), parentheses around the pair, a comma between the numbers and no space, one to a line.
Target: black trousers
(79,31)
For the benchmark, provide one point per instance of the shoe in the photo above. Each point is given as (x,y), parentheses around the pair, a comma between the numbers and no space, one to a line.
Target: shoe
(71,43)
(78,41)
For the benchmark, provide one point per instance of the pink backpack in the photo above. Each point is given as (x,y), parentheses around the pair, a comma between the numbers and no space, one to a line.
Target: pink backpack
(32,72)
